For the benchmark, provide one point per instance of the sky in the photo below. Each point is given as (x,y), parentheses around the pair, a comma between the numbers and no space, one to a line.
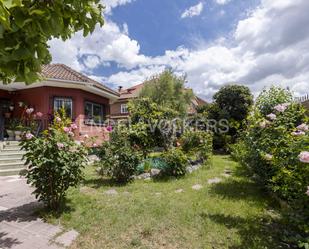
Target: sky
(257,43)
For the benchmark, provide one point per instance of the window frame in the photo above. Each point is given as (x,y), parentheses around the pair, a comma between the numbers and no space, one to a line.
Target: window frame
(90,120)
(63,99)
(124,108)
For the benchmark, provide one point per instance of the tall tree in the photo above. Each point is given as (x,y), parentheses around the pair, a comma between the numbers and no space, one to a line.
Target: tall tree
(27,25)
(168,90)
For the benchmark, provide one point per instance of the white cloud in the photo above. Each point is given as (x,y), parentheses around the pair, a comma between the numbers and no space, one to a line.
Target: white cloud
(269,46)
(195,10)
(110,4)
(222,2)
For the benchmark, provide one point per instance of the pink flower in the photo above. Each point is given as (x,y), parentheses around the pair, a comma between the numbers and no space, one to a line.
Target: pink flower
(39,114)
(66,129)
(303,127)
(94,145)
(109,128)
(298,133)
(73,126)
(272,116)
(29,136)
(70,133)
(304,157)
(307,193)
(29,111)
(58,119)
(86,136)
(268,157)
(60,145)
(280,108)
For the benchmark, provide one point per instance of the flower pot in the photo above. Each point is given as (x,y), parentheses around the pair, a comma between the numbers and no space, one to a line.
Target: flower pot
(18,135)
(11,134)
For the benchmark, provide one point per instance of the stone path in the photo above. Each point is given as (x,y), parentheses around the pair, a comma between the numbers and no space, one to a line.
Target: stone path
(20,228)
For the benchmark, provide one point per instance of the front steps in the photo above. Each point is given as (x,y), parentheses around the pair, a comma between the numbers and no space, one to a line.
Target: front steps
(11,162)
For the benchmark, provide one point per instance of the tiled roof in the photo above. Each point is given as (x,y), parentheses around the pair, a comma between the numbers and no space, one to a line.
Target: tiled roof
(63,72)
(131,92)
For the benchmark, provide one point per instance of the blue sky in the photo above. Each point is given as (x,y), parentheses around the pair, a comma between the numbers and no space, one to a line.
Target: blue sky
(213,42)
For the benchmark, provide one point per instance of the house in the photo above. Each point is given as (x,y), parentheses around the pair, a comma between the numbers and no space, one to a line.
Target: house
(119,109)
(85,101)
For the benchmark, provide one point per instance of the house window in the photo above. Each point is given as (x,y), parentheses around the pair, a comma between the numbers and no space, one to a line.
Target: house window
(124,108)
(94,112)
(65,103)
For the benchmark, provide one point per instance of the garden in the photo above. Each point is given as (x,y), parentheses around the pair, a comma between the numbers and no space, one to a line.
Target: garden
(162,183)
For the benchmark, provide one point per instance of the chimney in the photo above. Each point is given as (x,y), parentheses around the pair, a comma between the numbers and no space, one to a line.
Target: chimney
(119,88)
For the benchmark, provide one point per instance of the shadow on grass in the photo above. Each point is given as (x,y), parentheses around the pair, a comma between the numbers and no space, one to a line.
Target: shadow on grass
(257,232)
(102,182)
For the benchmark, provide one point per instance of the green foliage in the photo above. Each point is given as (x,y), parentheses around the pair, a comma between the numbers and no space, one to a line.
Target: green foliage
(235,101)
(168,90)
(197,143)
(119,159)
(55,163)
(149,125)
(231,103)
(271,149)
(271,97)
(176,162)
(26,26)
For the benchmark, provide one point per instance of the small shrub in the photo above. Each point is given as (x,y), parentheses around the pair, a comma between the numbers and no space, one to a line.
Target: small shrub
(197,143)
(176,162)
(119,159)
(55,163)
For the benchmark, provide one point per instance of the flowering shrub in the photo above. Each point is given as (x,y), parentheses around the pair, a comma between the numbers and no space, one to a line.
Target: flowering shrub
(276,149)
(197,143)
(55,163)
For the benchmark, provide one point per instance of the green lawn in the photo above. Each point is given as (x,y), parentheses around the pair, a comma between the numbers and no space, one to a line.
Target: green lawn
(234,213)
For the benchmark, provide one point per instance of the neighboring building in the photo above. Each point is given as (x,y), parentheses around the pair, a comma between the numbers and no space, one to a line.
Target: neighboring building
(119,110)
(86,101)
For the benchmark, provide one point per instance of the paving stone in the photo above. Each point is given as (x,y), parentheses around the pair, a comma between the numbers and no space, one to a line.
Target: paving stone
(226,175)
(19,227)
(214,180)
(197,187)
(67,238)
(111,192)
(179,191)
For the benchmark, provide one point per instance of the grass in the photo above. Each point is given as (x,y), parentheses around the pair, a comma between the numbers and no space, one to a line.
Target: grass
(234,213)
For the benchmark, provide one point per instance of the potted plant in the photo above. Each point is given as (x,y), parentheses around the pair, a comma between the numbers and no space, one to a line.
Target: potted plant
(11,128)
(19,131)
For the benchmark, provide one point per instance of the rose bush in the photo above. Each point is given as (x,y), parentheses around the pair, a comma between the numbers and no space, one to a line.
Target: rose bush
(55,162)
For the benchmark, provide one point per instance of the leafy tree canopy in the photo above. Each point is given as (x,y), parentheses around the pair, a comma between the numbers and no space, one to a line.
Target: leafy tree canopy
(271,97)
(27,25)
(168,90)
(234,101)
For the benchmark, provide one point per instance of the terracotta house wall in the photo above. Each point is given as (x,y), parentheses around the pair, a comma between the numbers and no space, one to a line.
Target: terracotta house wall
(115,109)
(41,99)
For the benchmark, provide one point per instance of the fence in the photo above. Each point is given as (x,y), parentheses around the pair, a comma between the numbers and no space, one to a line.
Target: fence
(302,98)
